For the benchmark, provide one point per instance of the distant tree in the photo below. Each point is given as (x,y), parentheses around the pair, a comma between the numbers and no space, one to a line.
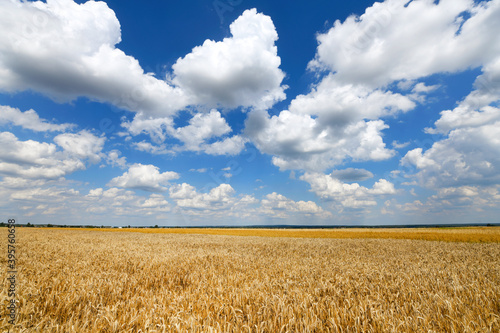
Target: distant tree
(49,225)
(156,226)
(29,225)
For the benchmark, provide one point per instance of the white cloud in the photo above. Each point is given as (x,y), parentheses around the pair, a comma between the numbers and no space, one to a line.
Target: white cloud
(67,50)
(475,110)
(422,88)
(228,146)
(277,205)
(155,127)
(469,156)
(201,170)
(338,104)
(152,149)
(242,70)
(461,203)
(34,160)
(202,127)
(114,159)
(83,145)
(351,196)
(29,120)
(464,117)
(144,177)
(45,195)
(196,136)
(397,40)
(120,202)
(302,142)
(392,43)
(186,197)
(398,145)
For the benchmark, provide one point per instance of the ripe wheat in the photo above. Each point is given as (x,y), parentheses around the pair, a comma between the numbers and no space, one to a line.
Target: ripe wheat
(93,281)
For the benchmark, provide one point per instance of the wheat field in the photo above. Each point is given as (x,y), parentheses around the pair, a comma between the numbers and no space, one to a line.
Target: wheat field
(96,281)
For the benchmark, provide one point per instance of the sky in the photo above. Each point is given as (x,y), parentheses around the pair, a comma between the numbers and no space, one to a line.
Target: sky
(240,112)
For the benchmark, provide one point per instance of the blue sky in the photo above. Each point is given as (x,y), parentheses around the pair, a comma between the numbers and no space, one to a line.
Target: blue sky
(250,112)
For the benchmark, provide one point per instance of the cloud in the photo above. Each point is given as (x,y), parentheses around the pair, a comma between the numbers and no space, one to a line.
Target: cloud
(67,50)
(347,196)
(201,170)
(114,159)
(120,202)
(186,197)
(468,156)
(144,177)
(155,127)
(351,175)
(29,120)
(277,205)
(422,88)
(242,70)
(46,195)
(476,109)
(337,104)
(359,60)
(202,128)
(41,160)
(229,146)
(152,149)
(302,142)
(83,145)
(396,40)
(462,203)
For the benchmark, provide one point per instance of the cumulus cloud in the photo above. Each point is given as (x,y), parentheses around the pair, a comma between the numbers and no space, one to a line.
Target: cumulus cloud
(155,127)
(468,156)
(202,129)
(114,159)
(33,159)
(338,104)
(396,40)
(347,196)
(83,145)
(359,60)
(67,50)
(277,205)
(242,70)
(462,202)
(29,120)
(300,141)
(186,196)
(144,177)
(228,146)
(478,108)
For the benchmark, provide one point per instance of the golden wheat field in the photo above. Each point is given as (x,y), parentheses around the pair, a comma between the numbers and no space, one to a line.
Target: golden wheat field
(97,281)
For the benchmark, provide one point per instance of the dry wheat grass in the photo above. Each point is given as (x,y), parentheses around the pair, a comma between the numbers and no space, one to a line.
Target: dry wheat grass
(92,281)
